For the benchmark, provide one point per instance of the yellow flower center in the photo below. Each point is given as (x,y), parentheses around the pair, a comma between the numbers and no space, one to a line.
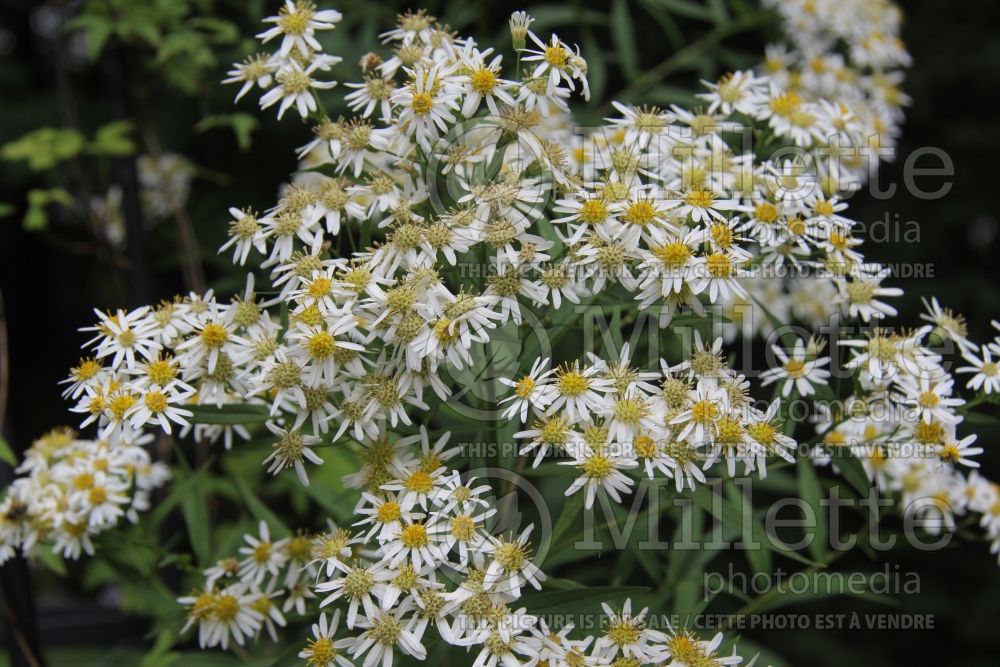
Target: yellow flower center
(483,80)
(422,103)
(556,56)
(593,211)
(414,536)
(673,255)
(524,387)
(699,198)
(214,335)
(571,383)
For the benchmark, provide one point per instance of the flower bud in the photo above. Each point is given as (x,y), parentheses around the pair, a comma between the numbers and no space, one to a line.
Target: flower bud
(519,22)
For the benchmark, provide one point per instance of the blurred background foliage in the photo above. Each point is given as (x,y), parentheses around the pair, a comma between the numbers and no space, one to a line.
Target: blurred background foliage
(91,89)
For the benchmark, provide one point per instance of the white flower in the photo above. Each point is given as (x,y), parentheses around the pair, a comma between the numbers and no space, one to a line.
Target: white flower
(229,613)
(958,453)
(948,324)
(292,447)
(627,635)
(579,392)
(511,565)
(860,294)
(426,103)
(385,631)
(531,390)
(482,82)
(262,556)
(360,584)
(295,88)
(800,370)
(322,650)
(255,70)
(296,24)
(986,373)
(599,469)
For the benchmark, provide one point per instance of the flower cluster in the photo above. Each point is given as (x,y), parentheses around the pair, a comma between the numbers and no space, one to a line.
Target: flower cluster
(254,590)
(903,419)
(288,74)
(73,489)
(841,69)
(424,555)
(610,417)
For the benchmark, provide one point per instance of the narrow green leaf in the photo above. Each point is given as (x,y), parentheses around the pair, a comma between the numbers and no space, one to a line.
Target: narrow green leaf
(181,488)
(623,34)
(571,512)
(51,560)
(810,491)
(552,16)
(686,8)
(718,10)
(851,469)
(6,453)
(597,68)
(236,413)
(258,509)
(196,516)
(579,598)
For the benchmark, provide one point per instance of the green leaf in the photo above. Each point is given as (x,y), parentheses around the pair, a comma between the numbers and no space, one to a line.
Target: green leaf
(242,125)
(552,16)
(623,34)
(181,489)
(51,560)
(570,512)
(97,29)
(671,30)
(851,469)
(222,32)
(810,491)
(36,217)
(44,148)
(234,413)
(6,209)
(6,453)
(597,68)
(196,516)
(112,139)
(258,509)
(579,599)
(686,8)
(974,417)
(718,10)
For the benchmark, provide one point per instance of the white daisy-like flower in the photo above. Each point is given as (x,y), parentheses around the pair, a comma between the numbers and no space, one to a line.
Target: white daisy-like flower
(532,390)
(296,23)
(599,469)
(291,448)
(262,556)
(986,373)
(322,650)
(579,391)
(257,70)
(295,87)
(511,565)
(800,370)
(384,631)
(628,635)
